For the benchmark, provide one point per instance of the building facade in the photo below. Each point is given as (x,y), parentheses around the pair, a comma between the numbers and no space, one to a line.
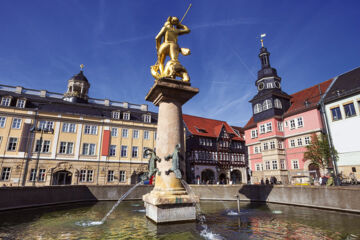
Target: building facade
(281,127)
(342,114)
(49,138)
(215,152)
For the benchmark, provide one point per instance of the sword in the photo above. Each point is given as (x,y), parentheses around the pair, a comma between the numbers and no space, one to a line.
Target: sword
(186,13)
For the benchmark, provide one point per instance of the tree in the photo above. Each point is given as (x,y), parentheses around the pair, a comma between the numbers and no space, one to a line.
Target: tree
(319,151)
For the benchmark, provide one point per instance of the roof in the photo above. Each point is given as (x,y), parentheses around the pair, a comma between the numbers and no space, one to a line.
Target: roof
(208,127)
(345,85)
(80,77)
(301,101)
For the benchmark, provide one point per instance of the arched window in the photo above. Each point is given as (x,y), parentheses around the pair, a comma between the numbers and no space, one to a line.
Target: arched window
(277,103)
(257,108)
(267,104)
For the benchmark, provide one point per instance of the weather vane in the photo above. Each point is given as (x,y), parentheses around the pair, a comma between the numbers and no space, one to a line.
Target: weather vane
(82,66)
(261,39)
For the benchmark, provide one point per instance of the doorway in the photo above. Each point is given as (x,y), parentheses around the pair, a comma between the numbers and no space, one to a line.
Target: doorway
(62,178)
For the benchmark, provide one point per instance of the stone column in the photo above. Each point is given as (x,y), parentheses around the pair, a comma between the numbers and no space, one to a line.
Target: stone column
(168,201)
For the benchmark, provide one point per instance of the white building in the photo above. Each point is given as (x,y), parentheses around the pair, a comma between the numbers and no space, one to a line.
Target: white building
(342,118)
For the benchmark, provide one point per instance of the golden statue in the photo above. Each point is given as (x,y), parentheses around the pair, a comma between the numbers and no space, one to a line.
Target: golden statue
(169,47)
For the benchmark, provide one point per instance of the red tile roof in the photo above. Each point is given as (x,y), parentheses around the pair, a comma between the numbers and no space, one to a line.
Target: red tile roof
(312,95)
(207,127)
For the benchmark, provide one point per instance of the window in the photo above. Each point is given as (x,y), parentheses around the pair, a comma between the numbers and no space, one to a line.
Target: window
(299,142)
(90,129)
(256,149)
(257,108)
(336,113)
(280,126)
(292,124)
(16,123)
(265,146)
(272,145)
(32,175)
(42,175)
(126,116)
(258,167)
(5,174)
(268,127)
(44,148)
(269,85)
(112,150)
(86,175)
(12,144)
(307,140)
(114,132)
(122,177)
(267,104)
(300,122)
(123,151)
(282,164)
(277,103)
(147,118)
(134,152)
(349,110)
(262,128)
(135,133)
(124,132)
(274,165)
(88,149)
(292,143)
(20,103)
(295,164)
(2,121)
(46,125)
(69,127)
(110,176)
(267,165)
(5,101)
(146,135)
(66,147)
(254,133)
(116,115)
(280,145)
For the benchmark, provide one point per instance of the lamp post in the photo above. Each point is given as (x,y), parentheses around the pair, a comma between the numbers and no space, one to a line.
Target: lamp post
(39,146)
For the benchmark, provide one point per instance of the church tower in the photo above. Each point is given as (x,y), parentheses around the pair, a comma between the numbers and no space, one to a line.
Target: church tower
(78,88)
(270,101)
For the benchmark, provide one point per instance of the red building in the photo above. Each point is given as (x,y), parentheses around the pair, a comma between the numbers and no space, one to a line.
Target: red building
(215,152)
(281,127)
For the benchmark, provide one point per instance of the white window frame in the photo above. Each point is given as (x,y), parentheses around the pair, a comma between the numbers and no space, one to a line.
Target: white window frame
(135,133)
(112,150)
(272,144)
(20,103)
(115,114)
(135,152)
(292,143)
(2,122)
(124,132)
(295,164)
(300,122)
(280,126)
(267,104)
(5,173)
(269,127)
(124,148)
(12,145)
(46,125)
(42,175)
(122,176)
(282,164)
(274,164)
(254,133)
(89,149)
(110,176)
(292,124)
(307,140)
(299,142)
(146,135)
(16,123)
(6,101)
(69,127)
(267,165)
(147,118)
(257,108)
(277,103)
(262,129)
(114,132)
(126,116)
(68,147)
(90,129)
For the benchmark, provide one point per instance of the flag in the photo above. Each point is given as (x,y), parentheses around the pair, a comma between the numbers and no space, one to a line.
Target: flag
(263,35)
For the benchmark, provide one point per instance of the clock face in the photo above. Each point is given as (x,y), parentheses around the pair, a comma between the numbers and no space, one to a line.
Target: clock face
(277,84)
(261,86)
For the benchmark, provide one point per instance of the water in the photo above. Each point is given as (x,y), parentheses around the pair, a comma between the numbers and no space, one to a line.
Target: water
(256,221)
(90,223)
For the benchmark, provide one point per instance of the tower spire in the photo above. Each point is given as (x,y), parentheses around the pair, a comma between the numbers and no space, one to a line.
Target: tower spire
(262,39)
(82,67)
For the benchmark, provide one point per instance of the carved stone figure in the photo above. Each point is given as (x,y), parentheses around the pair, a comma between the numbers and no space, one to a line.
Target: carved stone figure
(152,163)
(170,48)
(176,156)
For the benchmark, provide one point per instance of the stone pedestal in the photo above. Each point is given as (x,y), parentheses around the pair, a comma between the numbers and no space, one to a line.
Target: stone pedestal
(168,201)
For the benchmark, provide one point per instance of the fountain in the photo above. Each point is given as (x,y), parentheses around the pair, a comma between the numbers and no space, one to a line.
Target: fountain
(169,201)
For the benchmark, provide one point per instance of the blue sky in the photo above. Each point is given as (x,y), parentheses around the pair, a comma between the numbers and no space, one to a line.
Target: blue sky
(42,44)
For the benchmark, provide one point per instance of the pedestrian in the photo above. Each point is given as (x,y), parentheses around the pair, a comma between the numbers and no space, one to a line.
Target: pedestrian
(324,180)
(267,181)
(262,181)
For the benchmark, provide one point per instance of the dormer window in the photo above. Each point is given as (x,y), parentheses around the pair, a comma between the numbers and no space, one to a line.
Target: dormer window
(126,116)
(257,108)
(147,118)
(20,103)
(201,130)
(5,101)
(267,104)
(115,114)
(277,103)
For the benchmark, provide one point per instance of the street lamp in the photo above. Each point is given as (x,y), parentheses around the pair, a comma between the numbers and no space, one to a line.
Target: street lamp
(42,130)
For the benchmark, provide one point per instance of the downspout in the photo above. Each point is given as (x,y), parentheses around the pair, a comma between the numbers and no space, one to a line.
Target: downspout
(327,130)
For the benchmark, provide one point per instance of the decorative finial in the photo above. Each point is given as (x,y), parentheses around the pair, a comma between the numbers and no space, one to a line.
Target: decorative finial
(82,66)
(261,39)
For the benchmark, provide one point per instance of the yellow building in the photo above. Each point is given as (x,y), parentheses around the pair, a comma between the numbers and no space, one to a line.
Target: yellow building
(49,138)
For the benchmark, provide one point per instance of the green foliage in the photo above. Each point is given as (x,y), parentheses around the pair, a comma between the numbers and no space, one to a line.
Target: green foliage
(319,151)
